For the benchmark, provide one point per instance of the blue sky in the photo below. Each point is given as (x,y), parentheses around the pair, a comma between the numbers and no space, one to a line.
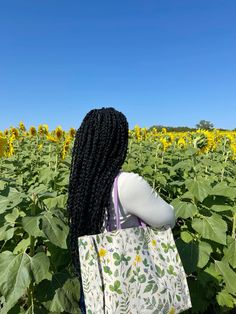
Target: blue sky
(168,62)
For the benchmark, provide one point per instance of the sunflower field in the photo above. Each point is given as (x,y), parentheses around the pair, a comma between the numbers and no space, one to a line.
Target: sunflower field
(193,171)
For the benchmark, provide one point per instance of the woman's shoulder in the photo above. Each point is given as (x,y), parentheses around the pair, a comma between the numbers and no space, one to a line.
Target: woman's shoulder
(132,181)
(130,174)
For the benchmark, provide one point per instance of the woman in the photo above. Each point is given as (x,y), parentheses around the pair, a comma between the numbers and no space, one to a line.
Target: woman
(100,149)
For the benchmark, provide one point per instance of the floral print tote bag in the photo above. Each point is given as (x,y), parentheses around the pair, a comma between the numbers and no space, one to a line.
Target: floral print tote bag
(132,271)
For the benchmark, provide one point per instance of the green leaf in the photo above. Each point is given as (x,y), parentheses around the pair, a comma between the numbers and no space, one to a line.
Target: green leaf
(230,251)
(213,228)
(221,208)
(6,232)
(55,229)
(148,287)
(184,209)
(40,267)
(199,188)
(109,239)
(10,200)
(61,294)
(11,217)
(22,246)
(189,255)
(111,288)
(186,236)
(41,188)
(45,175)
(148,170)
(205,250)
(223,189)
(31,225)
(225,299)
(16,277)
(187,195)
(58,201)
(228,274)
(142,278)
(198,293)
(116,256)
(116,284)
(59,258)
(2,185)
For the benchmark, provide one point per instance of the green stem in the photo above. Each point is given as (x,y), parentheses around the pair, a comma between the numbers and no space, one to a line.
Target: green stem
(50,149)
(224,165)
(194,167)
(155,167)
(56,162)
(32,251)
(234,226)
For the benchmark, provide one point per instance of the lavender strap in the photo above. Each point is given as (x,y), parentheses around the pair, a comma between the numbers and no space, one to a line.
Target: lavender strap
(118,226)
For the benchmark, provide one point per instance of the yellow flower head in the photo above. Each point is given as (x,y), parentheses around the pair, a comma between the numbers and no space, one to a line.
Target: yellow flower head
(164,143)
(22,126)
(172,310)
(59,132)
(51,138)
(6,132)
(138,258)
(10,149)
(3,145)
(32,131)
(102,252)
(72,132)
(154,242)
(65,147)
(181,143)
(43,129)
(14,132)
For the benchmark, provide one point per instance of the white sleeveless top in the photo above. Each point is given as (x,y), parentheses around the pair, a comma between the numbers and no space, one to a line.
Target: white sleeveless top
(137,198)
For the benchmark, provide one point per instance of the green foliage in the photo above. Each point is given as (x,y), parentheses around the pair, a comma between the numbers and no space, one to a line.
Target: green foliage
(205,125)
(35,266)
(202,189)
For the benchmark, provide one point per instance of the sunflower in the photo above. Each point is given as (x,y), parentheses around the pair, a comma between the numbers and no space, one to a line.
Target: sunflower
(32,131)
(51,138)
(43,129)
(14,132)
(10,149)
(165,143)
(72,132)
(181,142)
(3,146)
(59,133)
(65,147)
(22,126)
(6,132)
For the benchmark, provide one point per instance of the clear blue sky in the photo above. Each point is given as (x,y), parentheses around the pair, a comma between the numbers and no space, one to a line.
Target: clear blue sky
(168,62)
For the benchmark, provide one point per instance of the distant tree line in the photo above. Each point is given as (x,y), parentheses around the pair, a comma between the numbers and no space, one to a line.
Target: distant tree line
(203,125)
